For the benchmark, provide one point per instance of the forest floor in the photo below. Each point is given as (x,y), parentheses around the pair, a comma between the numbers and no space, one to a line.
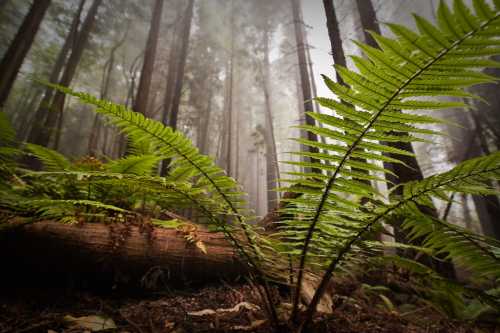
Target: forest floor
(217,308)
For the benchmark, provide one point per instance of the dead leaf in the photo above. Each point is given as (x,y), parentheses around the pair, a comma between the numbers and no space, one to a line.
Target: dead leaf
(236,308)
(93,323)
(201,246)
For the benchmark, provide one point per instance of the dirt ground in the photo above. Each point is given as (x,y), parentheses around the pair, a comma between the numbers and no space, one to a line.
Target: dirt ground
(218,308)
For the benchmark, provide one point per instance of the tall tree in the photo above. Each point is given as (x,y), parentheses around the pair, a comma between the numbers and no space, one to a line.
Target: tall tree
(175,75)
(141,100)
(176,99)
(272,166)
(304,76)
(171,73)
(43,107)
(336,49)
(57,105)
(337,52)
(473,133)
(204,125)
(18,49)
(227,132)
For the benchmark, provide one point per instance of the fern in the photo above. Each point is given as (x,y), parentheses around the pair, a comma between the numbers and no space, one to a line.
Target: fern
(137,165)
(188,165)
(436,61)
(51,159)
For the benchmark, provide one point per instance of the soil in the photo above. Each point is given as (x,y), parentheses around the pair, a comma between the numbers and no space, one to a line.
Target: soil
(223,308)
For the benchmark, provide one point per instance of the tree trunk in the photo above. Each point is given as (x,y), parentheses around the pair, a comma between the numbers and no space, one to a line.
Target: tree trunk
(272,166)
(186,30)
(43,107)
(228,102)
(204,124)
(171,77)
(96,249)
(337,51)
(141,100)
(487,206)
(180,65)
(57,106)
(304,77)
(169,90)
(18,49)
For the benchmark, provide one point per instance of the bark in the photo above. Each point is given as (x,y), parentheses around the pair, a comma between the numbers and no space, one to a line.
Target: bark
(43,107)
(304,76)
(186,30)
(171,77)
(18,49)
(96,249)
(332,24)
(272,166)
(337,52)
(180,65)
(57,105)
(169,92)
(226,151)
(141,101)
(204,124)
(487,206)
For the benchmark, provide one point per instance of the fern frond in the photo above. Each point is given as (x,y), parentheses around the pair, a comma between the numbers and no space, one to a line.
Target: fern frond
(187,165)
(394,77)
(137,165)
(476,171)
(57,209)
(51,159)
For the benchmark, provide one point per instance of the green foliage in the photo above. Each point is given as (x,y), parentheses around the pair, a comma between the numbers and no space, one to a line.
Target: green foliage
(437,61)
(8,145)
(51,159)
(327,229)
(140,165)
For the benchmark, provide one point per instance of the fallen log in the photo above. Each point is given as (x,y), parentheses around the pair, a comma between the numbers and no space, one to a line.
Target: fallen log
(117,253)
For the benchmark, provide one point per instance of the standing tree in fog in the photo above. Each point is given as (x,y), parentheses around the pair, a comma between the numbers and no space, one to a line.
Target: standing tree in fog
(43,107)
(180,64)
(57,106)
(18,49)
(302,62)
(336,49)
(184,45)
(141,100)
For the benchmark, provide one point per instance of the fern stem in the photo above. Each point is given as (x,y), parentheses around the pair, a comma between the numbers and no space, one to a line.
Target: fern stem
(352,148)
